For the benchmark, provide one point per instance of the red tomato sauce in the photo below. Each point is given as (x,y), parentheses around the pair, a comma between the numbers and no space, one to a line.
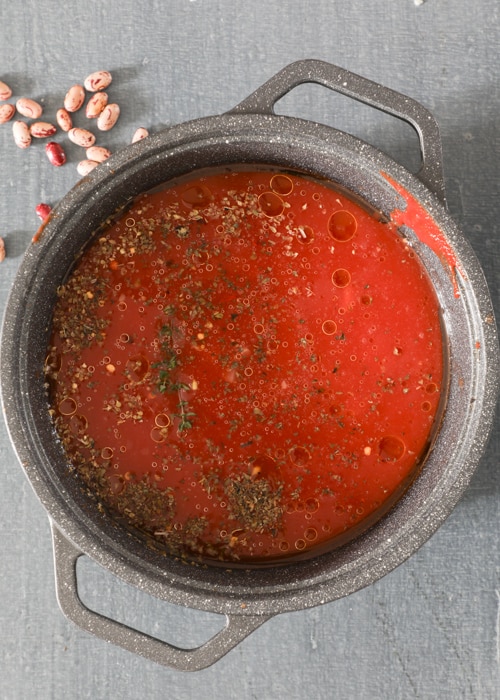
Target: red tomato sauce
(247,367)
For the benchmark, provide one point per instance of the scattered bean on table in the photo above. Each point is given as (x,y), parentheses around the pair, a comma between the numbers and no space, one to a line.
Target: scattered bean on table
(75,97)
(21,133)
(29,108)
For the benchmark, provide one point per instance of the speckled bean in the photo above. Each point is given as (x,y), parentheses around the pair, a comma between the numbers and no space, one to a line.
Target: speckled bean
(21,133)
(84,167)
(6,113)
(41,130)
(29,108)
(108,117)
(75,97)
(97,81)
(140,134)
(55,153)
(43,210)
(81,137)
(63,118)
(96,104)
(97,153)
(2,250)
(5,91)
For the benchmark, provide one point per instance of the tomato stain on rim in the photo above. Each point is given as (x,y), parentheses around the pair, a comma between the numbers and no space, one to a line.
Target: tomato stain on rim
(416,217)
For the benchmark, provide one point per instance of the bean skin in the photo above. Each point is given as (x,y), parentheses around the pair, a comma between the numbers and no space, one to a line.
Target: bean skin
(5,91)
(84,167)
(21,133)
(43,210)
(95,82)
(41,130)
(75,97)
(55,153)
(108,117)
(6,113)
(97,153)
(29,108)
(96,104)
(140,134)
(63,118)
(81,137)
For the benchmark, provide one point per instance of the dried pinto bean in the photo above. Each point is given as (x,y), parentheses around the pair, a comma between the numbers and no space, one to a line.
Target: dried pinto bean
(97,81)
(5,91)
(6,113)
(75,97)
(63,118)
(2,250)
(84,167)
(43,210)
(96,104)
(81,137)
(21,133)
(41,130)
(140,134)
(55,153)
(97,153)
(108,117)
(29,108)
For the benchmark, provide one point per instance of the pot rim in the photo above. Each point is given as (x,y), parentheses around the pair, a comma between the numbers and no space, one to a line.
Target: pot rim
(315,149)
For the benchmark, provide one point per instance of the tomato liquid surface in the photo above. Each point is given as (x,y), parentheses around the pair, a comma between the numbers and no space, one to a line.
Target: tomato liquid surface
(247,367)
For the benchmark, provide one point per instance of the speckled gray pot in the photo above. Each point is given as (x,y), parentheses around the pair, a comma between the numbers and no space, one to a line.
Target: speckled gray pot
(250,133)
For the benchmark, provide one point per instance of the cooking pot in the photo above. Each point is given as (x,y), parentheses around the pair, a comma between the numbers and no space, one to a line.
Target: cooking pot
(252,133)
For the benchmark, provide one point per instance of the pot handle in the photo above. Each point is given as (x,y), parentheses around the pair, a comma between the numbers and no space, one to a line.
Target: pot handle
(237,627)
(263,100)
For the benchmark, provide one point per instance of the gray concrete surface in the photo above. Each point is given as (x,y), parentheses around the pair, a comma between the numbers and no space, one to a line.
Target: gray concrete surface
(430,629)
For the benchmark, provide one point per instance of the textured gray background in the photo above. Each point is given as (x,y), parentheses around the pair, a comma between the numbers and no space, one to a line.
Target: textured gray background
(430,629)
